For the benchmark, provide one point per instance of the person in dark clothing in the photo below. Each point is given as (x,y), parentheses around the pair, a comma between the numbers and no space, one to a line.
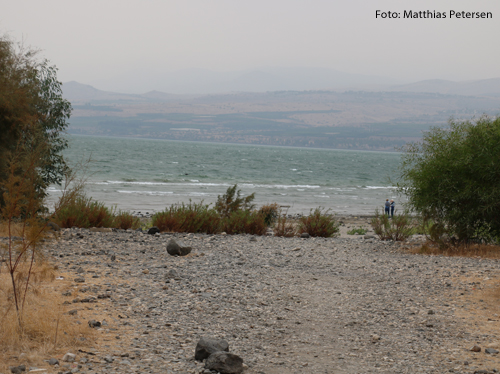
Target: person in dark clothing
(387,206)
(393,205)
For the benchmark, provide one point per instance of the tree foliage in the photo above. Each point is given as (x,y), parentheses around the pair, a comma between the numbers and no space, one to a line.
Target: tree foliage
(453,178)
(32,110)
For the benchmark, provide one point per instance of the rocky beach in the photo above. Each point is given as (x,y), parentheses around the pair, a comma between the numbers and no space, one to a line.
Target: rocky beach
(352,304)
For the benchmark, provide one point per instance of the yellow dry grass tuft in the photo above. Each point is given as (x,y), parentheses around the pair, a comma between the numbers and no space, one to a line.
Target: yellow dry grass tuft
(17,229)
(46,327)
(470,250)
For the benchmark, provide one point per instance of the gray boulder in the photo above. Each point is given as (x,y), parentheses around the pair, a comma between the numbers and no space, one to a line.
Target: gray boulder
(177,248)
(207,346)
(224,363)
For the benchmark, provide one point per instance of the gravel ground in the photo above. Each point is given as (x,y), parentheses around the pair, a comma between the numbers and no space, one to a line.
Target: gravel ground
(285,305)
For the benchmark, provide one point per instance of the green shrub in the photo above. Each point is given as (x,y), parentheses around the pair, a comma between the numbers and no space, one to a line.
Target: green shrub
(453,178)
(232,201)
(357,231)
(81,211)
(245,222)
(283,227)
(398,228)
(125,221)
(192,217)
(270,213)
(319,223)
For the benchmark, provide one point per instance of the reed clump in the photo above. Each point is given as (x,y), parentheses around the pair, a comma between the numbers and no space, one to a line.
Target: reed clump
(284,227)
(398,228)
(319,223)
(232,214)
(245,222)
(82,211)
(192,217)
(125,221)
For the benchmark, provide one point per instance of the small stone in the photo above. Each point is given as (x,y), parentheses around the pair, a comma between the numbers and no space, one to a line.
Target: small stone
(53,361)
(145,271)
(305,235)
(79,280)
(69,357)
(172,274)
(93,323)
(73,312)
(476,348)
(17,369)
(491,351)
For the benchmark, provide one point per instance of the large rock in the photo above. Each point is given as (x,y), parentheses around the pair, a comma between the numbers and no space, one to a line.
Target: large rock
(153,230)
(177,248)
(224,363)
(207,346)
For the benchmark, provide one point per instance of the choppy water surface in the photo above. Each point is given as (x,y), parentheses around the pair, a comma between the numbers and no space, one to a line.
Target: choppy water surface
(148,175)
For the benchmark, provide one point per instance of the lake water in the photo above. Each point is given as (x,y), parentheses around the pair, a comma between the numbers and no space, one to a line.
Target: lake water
(148,175)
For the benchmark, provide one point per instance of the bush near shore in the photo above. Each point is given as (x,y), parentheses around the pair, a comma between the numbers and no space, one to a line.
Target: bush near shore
(232,214)
(82,211)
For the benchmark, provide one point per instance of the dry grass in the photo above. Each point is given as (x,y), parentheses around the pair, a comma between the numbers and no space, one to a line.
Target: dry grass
(471,250)
(479,310)
(47,329)
(17,229)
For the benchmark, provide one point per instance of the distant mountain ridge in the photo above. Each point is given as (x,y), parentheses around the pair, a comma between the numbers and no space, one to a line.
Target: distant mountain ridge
(77,92)
(203,81)
(261,82)
(483,87)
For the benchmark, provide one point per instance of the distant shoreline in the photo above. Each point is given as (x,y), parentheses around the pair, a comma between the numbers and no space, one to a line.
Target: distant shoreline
(228,143)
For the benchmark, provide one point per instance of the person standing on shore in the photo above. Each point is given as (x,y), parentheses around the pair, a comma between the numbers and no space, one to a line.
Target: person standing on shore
(393,205)
(387,206)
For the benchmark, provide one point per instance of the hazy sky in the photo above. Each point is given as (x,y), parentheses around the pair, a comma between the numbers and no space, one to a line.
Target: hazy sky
(91,40)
